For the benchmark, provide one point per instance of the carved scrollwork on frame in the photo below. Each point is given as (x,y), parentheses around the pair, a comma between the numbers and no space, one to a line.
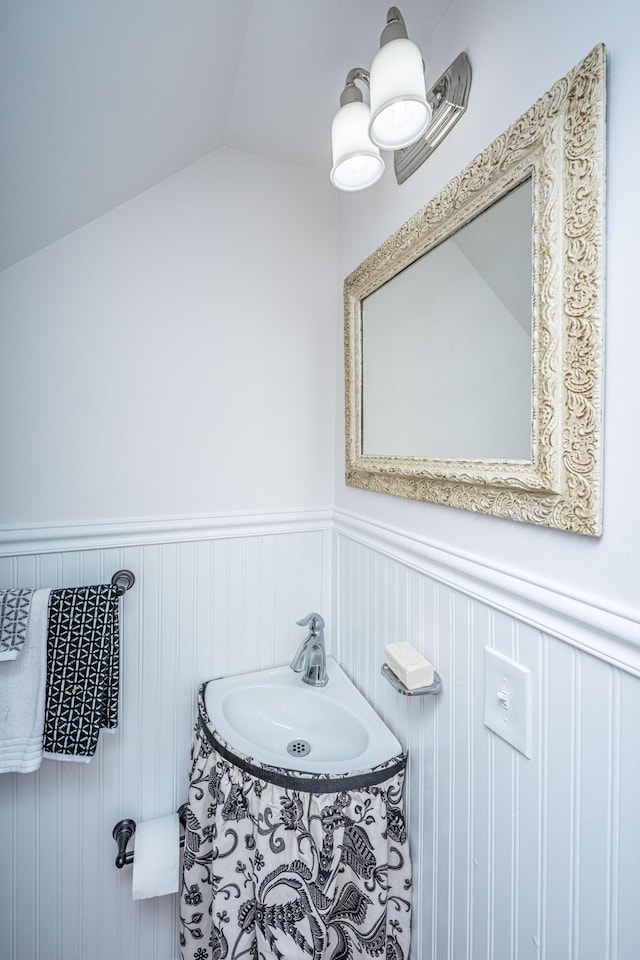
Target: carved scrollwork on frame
(560,144)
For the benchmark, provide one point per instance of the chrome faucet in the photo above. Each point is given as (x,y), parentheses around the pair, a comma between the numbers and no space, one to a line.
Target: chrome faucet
(310,659)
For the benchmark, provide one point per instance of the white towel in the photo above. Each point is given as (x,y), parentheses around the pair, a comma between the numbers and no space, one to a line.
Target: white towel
(22,690)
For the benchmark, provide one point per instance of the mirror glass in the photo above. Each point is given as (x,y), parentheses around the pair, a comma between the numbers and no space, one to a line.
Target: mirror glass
(446,345)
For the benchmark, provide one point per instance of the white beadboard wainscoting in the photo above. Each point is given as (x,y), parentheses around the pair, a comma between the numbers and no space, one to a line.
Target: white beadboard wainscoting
(514,859)
(210,598)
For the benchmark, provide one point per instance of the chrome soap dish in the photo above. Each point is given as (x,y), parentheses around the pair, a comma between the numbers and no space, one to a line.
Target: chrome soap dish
(399,686)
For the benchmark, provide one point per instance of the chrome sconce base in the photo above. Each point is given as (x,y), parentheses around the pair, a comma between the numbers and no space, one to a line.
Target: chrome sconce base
(448,99)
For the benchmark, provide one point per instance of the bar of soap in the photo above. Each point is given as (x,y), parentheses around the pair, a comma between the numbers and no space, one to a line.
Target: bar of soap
(408,664)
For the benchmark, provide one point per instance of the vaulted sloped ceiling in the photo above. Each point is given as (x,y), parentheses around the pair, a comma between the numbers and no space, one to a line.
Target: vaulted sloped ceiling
(101,99)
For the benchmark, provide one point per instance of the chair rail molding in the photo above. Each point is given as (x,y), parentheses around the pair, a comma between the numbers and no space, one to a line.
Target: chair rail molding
(608,633)
(31,539)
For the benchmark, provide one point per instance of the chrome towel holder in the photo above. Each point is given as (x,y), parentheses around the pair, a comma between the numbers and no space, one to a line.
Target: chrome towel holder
(123,580)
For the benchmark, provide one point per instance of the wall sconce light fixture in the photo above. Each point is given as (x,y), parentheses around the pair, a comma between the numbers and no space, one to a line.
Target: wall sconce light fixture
(402,115)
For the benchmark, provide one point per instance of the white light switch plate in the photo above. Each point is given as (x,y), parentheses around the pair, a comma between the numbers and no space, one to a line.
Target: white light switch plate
(508,708)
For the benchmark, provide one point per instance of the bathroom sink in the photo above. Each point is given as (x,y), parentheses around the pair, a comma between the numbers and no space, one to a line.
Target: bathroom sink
(274,717)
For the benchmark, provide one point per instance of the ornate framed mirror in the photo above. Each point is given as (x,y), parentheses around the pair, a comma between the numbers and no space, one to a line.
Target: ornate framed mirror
(474,334)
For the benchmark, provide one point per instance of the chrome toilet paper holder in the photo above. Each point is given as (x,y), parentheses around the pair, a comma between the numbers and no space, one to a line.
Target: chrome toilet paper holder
(125,829)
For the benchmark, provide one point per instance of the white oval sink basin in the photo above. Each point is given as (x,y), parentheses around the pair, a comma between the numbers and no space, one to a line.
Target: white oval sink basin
(260,714)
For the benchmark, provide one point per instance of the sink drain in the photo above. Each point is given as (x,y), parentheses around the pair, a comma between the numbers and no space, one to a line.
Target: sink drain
(299,748)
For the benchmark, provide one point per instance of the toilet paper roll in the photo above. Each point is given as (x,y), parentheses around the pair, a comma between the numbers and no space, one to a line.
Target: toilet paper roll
(156,857)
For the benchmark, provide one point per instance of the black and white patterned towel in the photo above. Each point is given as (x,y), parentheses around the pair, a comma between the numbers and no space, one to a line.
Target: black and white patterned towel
(15,606)
(83,668)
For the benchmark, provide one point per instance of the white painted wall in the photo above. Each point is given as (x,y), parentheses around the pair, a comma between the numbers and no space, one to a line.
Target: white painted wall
(517,51)
(514,858)
(174,358)
(176,355)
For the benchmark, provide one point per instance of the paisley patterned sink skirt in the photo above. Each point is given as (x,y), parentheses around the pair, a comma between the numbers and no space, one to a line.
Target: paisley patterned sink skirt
(298,866)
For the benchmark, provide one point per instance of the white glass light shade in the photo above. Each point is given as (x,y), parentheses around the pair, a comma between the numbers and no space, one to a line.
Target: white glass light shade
(356,161)
(400,112)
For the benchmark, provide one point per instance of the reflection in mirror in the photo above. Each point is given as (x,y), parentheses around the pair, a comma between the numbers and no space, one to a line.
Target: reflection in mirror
(446,345)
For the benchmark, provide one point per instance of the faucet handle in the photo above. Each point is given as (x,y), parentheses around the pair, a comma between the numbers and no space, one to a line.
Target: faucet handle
(316,621)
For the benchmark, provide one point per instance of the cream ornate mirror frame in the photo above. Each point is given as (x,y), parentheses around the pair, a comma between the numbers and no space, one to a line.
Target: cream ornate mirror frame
(560,144)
